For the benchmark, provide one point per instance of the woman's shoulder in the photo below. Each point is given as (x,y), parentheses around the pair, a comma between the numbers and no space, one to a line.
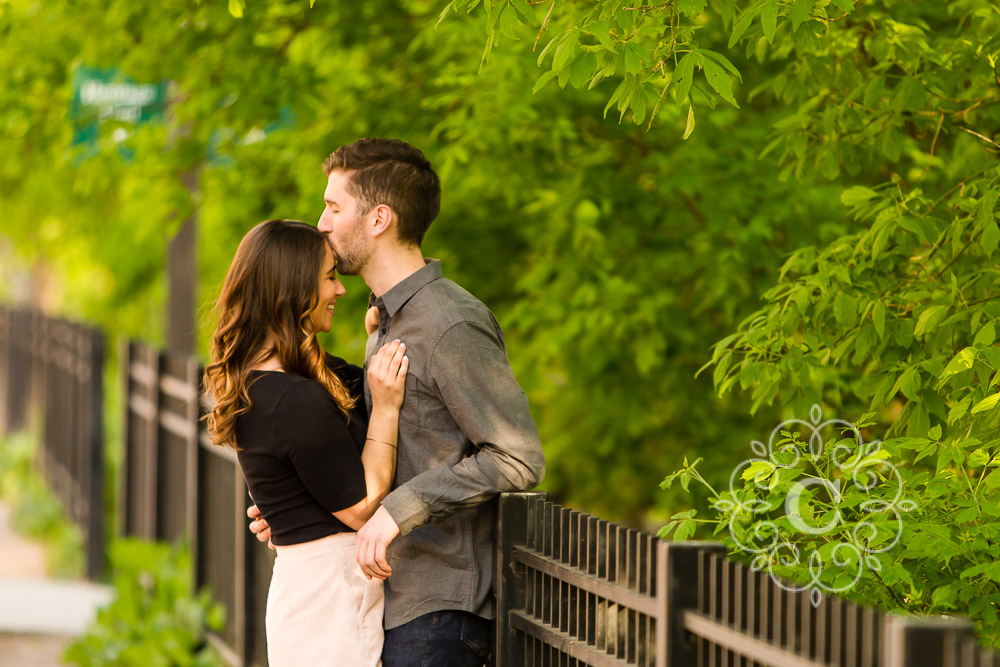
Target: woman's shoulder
(289,391)
(352,376)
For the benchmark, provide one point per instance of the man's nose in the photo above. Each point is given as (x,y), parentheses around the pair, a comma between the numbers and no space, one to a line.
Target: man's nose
(323,225)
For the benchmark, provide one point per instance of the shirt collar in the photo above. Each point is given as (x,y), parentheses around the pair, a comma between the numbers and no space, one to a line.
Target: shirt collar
(404,290)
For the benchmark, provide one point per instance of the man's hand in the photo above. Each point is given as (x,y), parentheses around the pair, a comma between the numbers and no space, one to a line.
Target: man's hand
(373,540)
(259,526)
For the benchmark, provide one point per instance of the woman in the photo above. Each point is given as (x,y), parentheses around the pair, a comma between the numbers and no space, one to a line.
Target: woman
(291,413)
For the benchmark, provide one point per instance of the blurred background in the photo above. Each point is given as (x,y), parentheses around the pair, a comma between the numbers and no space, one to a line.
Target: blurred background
(142,142)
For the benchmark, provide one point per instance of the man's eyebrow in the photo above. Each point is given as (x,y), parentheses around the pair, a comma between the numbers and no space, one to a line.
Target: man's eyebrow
(331,202)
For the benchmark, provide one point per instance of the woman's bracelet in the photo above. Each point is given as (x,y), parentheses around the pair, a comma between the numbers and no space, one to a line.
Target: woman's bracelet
(382,441)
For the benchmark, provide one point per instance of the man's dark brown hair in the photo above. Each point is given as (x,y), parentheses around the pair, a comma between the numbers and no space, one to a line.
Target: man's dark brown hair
(393,173)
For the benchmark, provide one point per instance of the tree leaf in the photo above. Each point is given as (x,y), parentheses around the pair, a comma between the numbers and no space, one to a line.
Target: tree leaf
(236,8)
(548,76)
(961,362)
(929,318)
(720,80)
(878,318)
(684,76)
(987,403)
(722,60)
(990,238)
(800,12)
(633,54)
(857,195)
(741,25)
(769,20)
(689,127)
(691,8)
(909,384)
(986,335)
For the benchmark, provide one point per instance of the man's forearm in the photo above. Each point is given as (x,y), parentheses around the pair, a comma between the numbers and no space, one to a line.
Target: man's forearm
(440,492)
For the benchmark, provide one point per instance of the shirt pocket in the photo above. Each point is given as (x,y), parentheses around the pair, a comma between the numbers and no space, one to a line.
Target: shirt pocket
(431,412)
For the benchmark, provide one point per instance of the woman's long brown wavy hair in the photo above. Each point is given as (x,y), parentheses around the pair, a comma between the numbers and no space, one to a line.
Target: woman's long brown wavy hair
(263,312)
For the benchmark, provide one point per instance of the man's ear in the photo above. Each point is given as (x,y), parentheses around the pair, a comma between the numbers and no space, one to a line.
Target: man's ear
(384,218)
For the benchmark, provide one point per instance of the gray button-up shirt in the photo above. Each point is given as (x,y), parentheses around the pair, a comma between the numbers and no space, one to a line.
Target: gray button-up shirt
(465,434)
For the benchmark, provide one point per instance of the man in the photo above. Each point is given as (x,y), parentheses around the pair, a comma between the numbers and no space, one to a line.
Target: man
(465,430)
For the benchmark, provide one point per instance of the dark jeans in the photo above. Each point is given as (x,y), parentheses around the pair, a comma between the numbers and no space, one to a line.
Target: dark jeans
(439,639)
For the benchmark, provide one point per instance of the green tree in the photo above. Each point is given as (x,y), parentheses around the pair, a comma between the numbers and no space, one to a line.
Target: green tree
(898,315)
(613,254)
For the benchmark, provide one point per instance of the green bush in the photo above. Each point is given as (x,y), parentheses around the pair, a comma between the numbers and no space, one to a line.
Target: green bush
(35,511)
(878,523)
(153,620)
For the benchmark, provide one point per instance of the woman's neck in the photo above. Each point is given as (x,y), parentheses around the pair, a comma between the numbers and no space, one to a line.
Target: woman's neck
(267,360)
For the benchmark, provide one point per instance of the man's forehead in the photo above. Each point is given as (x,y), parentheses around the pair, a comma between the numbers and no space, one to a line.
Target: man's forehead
(335,185)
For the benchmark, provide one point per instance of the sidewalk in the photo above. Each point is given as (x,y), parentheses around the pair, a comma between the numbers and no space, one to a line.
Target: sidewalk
(38,615)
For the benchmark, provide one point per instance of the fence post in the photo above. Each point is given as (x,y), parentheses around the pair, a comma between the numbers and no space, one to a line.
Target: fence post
(515,513)
(678,587)
(244,567)
(915,642)
(124,503)
(94,382)
(193,419)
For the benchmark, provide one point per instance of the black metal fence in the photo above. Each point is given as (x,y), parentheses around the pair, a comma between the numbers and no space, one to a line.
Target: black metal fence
(573,589)
(51,369)
(177,485)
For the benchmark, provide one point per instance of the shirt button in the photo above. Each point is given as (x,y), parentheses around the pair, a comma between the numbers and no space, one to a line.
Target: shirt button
(381,332)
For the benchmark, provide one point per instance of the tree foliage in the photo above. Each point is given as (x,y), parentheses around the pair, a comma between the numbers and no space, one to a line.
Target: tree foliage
(619,205)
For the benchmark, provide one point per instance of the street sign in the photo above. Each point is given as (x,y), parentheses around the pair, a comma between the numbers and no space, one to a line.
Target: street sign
(101,95)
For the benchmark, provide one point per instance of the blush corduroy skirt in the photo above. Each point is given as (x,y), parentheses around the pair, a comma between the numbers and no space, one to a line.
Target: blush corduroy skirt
(321,610)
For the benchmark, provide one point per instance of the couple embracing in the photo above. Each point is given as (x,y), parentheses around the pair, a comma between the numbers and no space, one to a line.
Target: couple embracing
(371,484)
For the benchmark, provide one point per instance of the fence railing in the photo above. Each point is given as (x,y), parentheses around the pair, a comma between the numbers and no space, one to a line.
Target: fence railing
(53,369)
(573,589)
(175,485)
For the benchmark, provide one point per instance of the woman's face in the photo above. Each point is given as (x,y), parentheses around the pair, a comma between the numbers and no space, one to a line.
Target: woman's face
(330,290)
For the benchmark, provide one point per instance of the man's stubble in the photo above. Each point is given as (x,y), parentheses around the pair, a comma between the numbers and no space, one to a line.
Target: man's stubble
(354,252)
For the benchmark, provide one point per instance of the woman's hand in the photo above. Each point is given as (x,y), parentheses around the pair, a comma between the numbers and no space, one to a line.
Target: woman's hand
(387,376)
(371,320)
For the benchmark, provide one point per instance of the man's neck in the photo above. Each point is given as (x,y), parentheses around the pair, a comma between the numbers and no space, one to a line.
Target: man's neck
(391,266)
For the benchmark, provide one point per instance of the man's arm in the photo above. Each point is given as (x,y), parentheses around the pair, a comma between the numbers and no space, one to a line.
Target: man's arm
(469,368)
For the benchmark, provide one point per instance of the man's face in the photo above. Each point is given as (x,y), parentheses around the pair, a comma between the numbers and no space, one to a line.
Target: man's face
(344,227)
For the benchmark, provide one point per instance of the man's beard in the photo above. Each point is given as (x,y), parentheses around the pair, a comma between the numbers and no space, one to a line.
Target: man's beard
(354,252)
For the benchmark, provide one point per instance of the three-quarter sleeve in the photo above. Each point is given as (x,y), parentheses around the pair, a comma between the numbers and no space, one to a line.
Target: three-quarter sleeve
(315,439)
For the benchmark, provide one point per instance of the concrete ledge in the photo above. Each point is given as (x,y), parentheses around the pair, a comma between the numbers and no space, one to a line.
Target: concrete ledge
(49,607)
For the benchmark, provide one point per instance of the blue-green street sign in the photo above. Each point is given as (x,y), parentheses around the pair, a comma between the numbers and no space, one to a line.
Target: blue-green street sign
(101,95)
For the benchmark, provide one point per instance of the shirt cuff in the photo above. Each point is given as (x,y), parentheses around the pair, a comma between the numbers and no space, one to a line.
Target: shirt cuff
(406,509)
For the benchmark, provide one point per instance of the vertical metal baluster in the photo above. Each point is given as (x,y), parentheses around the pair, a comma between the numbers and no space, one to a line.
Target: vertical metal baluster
(821,643)
(836,615)
(869,647)
(791,621)
(752,608)
(601,613)
(714,587)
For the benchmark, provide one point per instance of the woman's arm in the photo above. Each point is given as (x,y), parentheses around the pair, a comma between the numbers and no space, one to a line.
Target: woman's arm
(387,381)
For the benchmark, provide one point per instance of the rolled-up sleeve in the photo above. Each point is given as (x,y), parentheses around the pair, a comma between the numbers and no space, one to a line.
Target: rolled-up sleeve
(471,374)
